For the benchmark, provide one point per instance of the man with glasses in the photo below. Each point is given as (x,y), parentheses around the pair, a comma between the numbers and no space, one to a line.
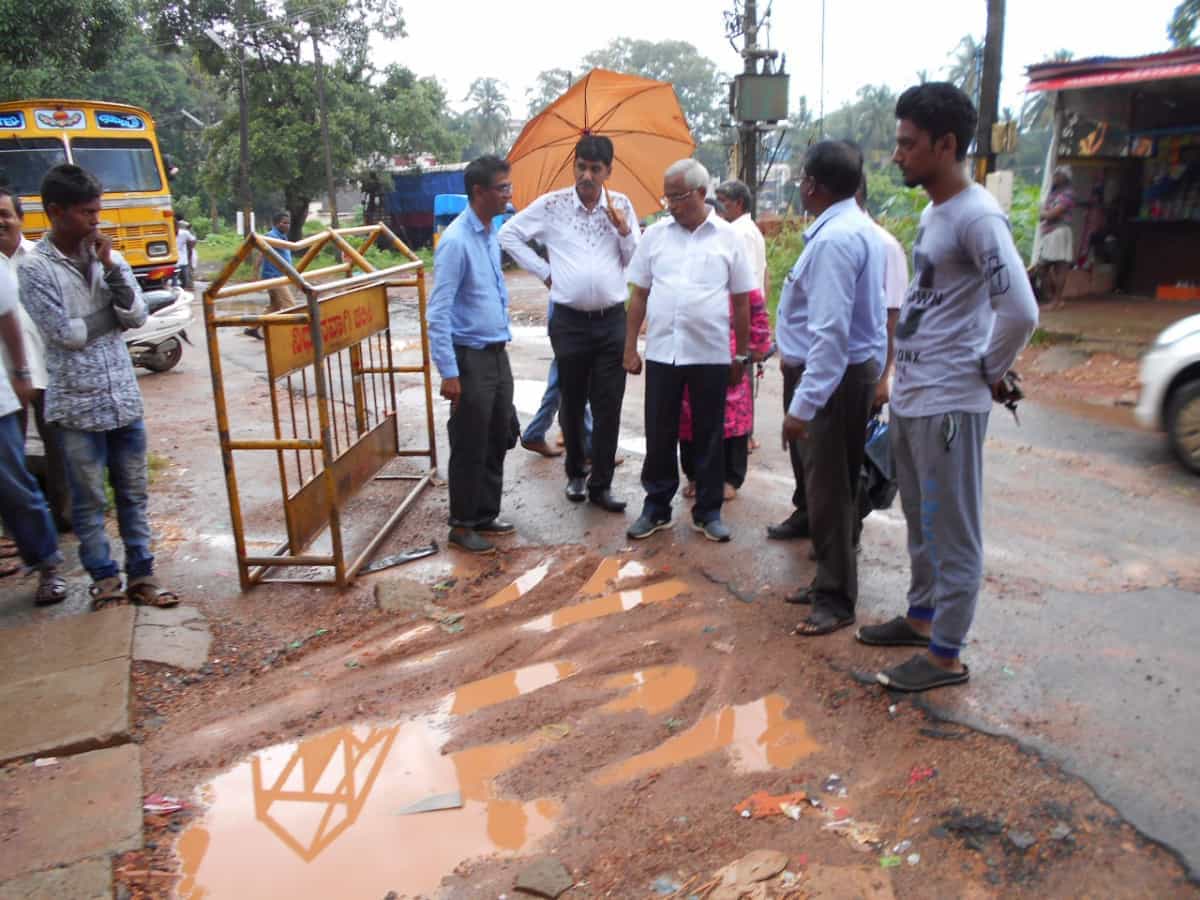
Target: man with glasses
(687,274)
(468,331)
(831,327)
(591,234)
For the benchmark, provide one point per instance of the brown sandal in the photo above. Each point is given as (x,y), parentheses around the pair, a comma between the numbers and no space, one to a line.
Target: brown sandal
(107,593)
(51,589)
(144,592)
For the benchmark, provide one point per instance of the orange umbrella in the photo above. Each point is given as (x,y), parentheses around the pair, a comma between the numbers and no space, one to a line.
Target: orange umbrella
(640,115)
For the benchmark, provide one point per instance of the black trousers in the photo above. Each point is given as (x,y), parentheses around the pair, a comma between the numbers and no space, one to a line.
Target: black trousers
(589,348)
(53,476)
(660,472)
(791,379)
(479,433)
(737,459)
(833,457)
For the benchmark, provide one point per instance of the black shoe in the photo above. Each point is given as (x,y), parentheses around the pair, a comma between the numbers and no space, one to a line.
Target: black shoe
(577,489)
(496,526)
(605,500)
(468,539)
(789,529)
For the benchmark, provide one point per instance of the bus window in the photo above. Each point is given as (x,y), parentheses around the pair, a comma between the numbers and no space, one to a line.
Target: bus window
(121,164)
(25,161)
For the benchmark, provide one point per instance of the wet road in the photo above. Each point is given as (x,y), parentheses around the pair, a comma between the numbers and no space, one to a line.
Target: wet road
(1083,648)
(1084,645)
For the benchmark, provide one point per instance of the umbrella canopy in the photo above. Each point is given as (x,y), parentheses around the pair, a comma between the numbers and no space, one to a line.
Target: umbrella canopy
(641,116)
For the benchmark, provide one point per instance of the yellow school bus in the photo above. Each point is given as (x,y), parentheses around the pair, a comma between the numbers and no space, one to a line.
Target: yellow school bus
(114,142)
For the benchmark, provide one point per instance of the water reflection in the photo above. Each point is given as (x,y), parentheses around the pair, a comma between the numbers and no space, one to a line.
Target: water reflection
(622,601)
(508,686)
(522,586)
(758,735)
(612,571)
(323,816)
(651,690)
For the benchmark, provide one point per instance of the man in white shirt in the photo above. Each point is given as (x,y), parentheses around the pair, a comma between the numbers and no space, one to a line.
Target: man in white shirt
(13,249)
(22,507)
(590,234)
(734,197)
(185,244)
(895,283)
(686,274)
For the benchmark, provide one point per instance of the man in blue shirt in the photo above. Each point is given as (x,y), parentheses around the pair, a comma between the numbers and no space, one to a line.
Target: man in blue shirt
(281,296)
(468,331)
(831,321)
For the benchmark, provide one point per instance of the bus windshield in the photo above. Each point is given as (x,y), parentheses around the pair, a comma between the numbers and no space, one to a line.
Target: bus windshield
(25,161)
(121,164)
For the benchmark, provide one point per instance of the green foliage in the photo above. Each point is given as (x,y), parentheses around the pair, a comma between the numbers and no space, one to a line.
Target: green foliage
(548,87)
(488,116)
(67,36)
(1184,24)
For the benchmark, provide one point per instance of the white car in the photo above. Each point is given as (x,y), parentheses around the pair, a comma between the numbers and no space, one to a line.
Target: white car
(1170,398)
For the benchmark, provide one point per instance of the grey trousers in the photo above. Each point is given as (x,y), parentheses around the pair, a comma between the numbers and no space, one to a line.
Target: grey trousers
(833,456)
(939,470)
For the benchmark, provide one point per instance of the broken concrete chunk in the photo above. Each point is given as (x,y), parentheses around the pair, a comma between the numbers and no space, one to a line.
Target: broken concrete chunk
(545,877)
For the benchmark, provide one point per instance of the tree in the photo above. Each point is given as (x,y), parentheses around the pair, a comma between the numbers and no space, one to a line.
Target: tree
(372,115)
(1037,110)
(58,35)
(1184,24)
(547,87)
(488,114)
(875,120)
(966,66)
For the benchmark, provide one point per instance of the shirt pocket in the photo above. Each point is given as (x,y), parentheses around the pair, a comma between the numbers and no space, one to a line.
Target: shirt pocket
(708,270)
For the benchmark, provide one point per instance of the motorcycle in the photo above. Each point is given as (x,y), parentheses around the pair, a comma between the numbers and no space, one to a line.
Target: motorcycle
(158,344)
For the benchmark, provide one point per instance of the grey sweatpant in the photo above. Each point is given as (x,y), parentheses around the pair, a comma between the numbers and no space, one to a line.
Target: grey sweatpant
(939,470)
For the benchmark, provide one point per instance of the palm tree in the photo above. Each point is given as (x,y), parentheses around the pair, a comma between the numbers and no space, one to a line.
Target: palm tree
(875,118)
(489,114)
(1184,21)
(1037,110)
(966,66)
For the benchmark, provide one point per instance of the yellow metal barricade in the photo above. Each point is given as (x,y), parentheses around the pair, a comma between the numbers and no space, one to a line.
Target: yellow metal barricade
(333,350)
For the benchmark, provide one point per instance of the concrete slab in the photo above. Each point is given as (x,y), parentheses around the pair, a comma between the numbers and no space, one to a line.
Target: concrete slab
(87,880)
(77,709)
(34,650)
(88,806)
(177,637)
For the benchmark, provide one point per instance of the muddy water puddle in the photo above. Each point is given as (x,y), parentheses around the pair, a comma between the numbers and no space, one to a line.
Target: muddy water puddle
(758,737)
(520,586)
(608,605)
(611,572)
(334,815)
(508,686)
(651,690)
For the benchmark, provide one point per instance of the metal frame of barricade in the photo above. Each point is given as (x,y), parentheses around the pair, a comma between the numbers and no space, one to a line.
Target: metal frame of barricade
(338,321)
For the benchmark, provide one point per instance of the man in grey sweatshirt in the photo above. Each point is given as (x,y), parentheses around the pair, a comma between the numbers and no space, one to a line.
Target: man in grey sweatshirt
(968,312)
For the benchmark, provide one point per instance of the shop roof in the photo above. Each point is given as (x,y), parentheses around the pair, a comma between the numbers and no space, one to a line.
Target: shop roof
(1102,71)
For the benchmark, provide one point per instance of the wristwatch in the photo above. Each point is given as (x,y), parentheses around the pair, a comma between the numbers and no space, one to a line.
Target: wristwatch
(742,358)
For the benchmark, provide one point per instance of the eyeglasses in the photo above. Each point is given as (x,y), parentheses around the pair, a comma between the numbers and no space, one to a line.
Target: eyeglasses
(669,199)
(505,188)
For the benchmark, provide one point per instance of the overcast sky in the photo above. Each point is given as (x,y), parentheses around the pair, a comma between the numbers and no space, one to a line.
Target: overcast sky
(866,41)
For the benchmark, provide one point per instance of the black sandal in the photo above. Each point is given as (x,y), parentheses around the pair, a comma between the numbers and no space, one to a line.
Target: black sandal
(919,674)
(822,621)
(896,633)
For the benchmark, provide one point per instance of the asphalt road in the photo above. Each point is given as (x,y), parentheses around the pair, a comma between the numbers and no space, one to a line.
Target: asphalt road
(1083,648)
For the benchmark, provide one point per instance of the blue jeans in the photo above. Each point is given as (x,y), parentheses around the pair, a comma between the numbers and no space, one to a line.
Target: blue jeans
(22,506)
(536,430)
(122,452)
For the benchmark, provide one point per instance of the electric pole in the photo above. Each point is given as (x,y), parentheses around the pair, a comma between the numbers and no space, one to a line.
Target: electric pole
(244,138)
(989,90)
(748,131)
(331,187)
